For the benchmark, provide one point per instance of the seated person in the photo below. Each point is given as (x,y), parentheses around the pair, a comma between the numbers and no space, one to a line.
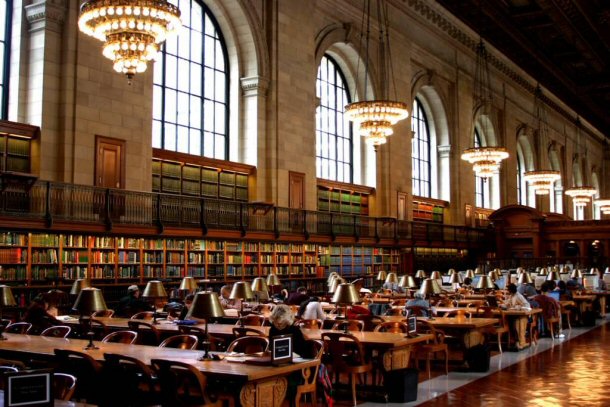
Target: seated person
(527,290)
(282,323)
(225,301)
(564,293)
(188,301)
(394,287)
(297,297)
(132,304)
(574,284)
(37,314)
(550,307)
(418,301)
(518,301)
(311,309)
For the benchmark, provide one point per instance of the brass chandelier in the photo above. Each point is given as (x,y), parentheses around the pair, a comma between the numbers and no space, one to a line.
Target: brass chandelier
(604,205)
(376,117)
(581,195)
(541,181)
(485,160)
(131,30)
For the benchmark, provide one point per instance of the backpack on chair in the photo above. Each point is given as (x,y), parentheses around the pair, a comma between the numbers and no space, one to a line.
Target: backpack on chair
(325,385)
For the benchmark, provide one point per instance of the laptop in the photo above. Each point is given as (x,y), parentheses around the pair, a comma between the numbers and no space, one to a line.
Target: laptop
(492,301)
(412,324)
(28,388)
(281,349)
(555,294)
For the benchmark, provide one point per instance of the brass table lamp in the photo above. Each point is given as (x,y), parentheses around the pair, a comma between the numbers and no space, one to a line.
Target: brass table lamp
(241,291)
(188,284)
(154,290)
(525,278)
(420,274)
(259,285)
(89,300)
(485,283)
(336,283)
(78,285)
(428,289)
(553,275)
(407,282)
(346,294)
(206,305)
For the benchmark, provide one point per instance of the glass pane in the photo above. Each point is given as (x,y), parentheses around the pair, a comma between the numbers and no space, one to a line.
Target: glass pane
(171,72)
(219,148)
(196,48)
(183,69)
(184,45)
(208,144)
(220,59)
(208,83)
(156,133)
(183,140)
(197,18)
(195,112)
(170,105)
(196,77)
(195,142)
(219,119)
(208,115)
(183,109)
(170,137)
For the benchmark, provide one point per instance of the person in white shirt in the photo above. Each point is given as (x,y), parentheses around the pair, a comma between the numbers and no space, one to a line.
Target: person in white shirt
(517,301)
(311,309)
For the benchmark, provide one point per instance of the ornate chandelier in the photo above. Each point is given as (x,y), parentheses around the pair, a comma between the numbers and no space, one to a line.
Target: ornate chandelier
(131,30)
(604,205)
(485,160)
(581,195)
(541,181)
(375,118)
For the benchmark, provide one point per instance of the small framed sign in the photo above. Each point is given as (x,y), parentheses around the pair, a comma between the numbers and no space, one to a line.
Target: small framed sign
(281,349)
(28,388)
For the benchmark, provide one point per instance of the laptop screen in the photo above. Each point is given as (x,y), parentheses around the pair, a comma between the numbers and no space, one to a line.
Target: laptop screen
(555,295)
(412,324)
(28,388)
(281,349)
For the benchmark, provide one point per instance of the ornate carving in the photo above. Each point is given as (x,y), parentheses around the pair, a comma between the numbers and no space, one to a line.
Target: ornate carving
(396,358)
(254,85)
(266,393)
(46,14)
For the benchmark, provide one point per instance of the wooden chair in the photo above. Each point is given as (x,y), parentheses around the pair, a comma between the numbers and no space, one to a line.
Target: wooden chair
(252,320)
(5,322)
(125,337)
(87,370)
(216,343)
(344,354)
(63,386)
(310,323)
(185,342)
(18,328)
(133,379)
(6,369)
(182,384)
(370,321)
(109,313)
(59,331)
(238,332)
(394,327)
(310,375)
(96,326)
(350,324)
(148,334)
(249,344)
(498,330)
(431,348)
(416,310)
(566,315)
(144,315)
(397,312)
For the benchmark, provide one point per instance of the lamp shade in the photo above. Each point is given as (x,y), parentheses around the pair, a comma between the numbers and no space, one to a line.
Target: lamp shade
(78,285)
(520,270)
(241,291)
(7,299)
(188,283)
(525,278)
(477,270)
(494,275)
(259,284)
(331,277)
(336,283)
(436,275)
(154,289)
(543,271)
(429,288)
(420,274)
(553,275)
(576,274)
(456,278)
(272,280)
(470,273)
(89,300)
(346,293)
(485,283)
(381,276)
(206,305)
(407,282)
(392,278)
(451,272)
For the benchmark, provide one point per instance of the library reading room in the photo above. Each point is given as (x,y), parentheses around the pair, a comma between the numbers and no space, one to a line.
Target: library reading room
(283,203)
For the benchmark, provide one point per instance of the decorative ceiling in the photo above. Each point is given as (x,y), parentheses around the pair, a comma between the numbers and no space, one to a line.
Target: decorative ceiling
(564,44)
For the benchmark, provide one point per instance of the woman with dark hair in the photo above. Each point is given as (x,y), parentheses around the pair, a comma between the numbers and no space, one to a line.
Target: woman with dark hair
(311,309)
(37,314)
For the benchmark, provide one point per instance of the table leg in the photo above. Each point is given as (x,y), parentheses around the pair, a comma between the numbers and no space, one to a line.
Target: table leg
(265,393)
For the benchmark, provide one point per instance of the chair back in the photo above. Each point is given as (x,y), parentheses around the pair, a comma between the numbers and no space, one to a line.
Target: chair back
(216,343)
(5,369)
(143,315)
(249,344)
(252,320)
(148,334)
(125,337)
(238,332)
(394,327)
(184,342)
(5,322)
(310,323)
(90,324)
(63,386)
(484,312)
(370,321)
(18,328)
(133,379)
(182,384)
(87,370)
(416,310)
(59,331)
(107,313)
(344,352)
(351,324)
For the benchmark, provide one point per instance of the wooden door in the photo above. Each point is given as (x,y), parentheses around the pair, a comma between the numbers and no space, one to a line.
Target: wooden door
(296,190)
(109,162)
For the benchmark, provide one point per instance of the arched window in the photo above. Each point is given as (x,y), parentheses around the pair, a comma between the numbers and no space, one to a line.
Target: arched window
(481,189)
(334,144)
(520,191)
(6,11)
(191,82)
(421,161)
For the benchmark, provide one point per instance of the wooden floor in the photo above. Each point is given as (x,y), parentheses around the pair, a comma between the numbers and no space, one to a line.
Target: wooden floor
(574,372)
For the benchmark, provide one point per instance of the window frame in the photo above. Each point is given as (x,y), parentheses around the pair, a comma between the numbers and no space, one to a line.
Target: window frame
(417,141)
(8,30)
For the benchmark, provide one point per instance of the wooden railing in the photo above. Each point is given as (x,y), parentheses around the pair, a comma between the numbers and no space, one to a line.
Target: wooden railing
(53,201)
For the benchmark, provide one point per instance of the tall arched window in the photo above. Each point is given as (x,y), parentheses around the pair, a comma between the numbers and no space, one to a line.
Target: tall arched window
(420,160)
(191,83)
(481,190)
(334,144)
(519,180)
(6,11)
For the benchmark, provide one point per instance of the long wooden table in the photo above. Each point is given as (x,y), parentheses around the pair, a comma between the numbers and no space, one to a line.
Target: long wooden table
(260,385)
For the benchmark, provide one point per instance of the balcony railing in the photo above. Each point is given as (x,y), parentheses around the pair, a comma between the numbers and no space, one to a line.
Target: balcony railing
(53,201)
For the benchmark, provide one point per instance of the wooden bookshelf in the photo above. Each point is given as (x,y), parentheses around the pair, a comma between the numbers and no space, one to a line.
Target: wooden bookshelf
(185,174)
(15,146)
(428,209)
(343,198)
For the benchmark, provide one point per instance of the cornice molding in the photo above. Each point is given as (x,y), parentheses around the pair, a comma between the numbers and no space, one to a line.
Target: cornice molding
(254,85)
(46,14)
